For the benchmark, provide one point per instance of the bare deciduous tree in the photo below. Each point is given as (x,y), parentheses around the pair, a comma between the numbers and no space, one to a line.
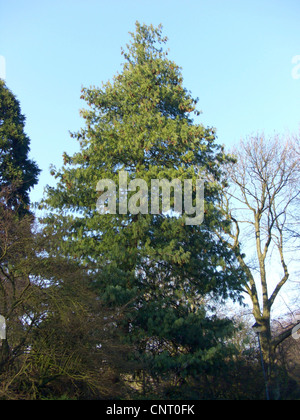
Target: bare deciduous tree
(261,199)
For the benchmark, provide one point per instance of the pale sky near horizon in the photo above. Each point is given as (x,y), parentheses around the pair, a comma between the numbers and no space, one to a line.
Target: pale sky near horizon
(236,56)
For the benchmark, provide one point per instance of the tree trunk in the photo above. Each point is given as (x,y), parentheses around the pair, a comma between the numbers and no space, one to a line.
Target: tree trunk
(268,352)
(4,353)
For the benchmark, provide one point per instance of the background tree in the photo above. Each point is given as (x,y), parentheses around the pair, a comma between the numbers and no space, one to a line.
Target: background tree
(16,169)
(59,336)
(51,347)
(17,175)
(260,202)
(288,358)
(154,265)
(293,223)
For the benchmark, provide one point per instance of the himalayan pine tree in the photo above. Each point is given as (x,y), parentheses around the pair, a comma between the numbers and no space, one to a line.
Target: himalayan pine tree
(154,266)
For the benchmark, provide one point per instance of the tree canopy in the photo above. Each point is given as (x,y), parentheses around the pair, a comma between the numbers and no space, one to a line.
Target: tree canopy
(17,171)
(155,265)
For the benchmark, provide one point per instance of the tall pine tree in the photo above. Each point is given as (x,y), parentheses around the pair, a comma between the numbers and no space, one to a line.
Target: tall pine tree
(18,173)
(154,265)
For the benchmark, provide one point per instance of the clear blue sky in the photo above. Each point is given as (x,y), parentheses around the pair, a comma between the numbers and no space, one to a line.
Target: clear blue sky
(236,56)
